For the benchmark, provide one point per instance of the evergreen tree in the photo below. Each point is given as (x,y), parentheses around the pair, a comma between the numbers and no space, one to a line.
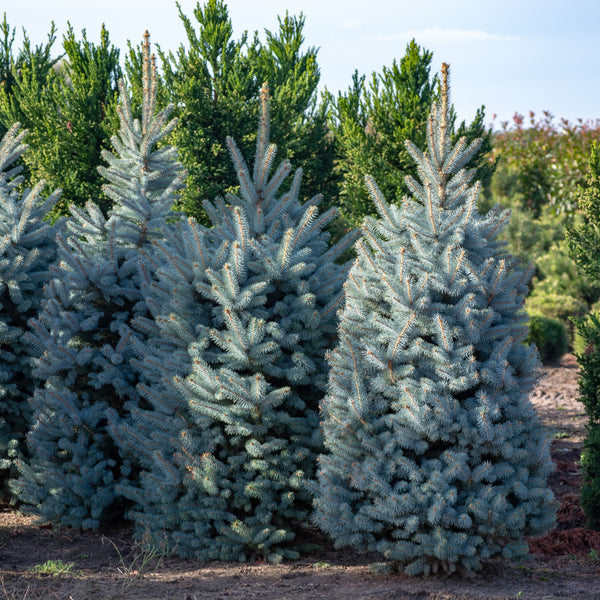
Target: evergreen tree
(299,123)
(234,367)
(82,332)
(436,456)
(68,106)
(36,61)
(27,249)
(371,124)
(215,83)
(28,69)
(584,247)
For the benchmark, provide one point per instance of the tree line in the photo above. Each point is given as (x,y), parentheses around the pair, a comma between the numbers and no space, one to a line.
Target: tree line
(66,99)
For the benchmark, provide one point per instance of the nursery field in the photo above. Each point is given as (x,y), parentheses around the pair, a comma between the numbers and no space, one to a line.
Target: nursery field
(67,564)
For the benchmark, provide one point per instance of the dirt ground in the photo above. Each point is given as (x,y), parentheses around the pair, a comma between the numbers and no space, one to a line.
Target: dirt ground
(565,563)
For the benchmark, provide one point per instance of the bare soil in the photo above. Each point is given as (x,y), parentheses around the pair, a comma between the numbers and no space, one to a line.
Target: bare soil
(109,565)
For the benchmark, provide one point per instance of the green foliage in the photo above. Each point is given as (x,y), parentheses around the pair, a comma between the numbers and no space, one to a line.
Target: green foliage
(589,387)
(547,162)
(23,73)
(589,363)
(299,124)
(557,273)
(555,306)
(371,124)
(558,289)
(54,568)
(590,490)
(584,246)
(579,343)
(215,83)
(584,239)
(549,336)
(68,107)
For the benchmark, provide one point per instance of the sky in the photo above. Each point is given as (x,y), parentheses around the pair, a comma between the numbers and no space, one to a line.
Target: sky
(508,55)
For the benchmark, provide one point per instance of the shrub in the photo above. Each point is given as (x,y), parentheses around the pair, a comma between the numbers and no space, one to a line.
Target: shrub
(544,161)
(560,307)
(584,246)
(549,335)
(590,490)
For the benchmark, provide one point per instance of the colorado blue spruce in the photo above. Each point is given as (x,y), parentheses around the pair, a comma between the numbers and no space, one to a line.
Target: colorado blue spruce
(82,334)
(436,458)
(27,251)
(234,368)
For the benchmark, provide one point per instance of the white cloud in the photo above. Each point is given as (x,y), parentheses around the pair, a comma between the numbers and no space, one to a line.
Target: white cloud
(440,35)
(351,24)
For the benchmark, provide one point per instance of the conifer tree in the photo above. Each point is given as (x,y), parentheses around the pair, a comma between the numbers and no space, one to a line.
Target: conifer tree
(82,333)
(27,249)
(26,70)
(584,247)
(372,120)
(215,81)
(234,368)
(68,107)
(436,459)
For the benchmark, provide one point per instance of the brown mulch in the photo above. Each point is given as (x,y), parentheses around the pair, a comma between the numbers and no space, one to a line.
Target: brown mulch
(564,563)
(555,399)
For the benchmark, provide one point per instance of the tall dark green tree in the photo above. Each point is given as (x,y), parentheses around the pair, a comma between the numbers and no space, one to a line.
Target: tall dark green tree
(28,70)
(372,122)
(68,107)
(584,247)
(215,83)
(299,122)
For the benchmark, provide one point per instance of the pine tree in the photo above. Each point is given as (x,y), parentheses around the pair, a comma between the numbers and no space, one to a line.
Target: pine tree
(28,69)
(27,249)
(83,333)
(436,457)
(234,368)
(68,105)
(584,247)
(298,123)
(372,120)
(215,82)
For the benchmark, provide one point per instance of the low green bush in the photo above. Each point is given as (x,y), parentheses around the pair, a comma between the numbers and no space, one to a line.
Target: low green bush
(549,335)
(558,307)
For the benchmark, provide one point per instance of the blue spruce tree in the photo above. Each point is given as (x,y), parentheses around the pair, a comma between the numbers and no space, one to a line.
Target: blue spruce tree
(234,367)
(27,249)
(83,334)
(436,458)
